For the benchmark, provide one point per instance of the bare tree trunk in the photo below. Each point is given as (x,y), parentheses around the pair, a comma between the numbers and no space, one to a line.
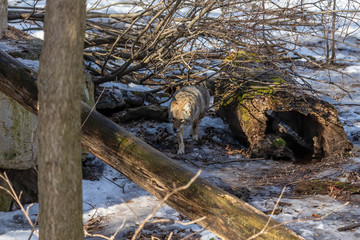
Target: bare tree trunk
(226,215)
(3,17)
(333,29)
(60,79)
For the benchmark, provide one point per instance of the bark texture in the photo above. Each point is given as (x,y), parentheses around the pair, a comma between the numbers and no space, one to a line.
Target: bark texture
(59,156)
(3,17)
(227,216)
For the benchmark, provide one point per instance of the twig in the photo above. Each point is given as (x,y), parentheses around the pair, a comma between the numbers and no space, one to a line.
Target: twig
(113,182)
(93,107)
(167,196)
(235,161)
(112,237)
(297,220)
(13,194)
(33,228)
(270,217)
(349,227)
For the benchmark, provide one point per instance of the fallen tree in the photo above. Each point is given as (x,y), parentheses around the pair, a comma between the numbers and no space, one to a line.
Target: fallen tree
(273,116)
(226,215)
(285,124)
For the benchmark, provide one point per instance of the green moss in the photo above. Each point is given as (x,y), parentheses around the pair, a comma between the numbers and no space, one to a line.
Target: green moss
(347,154)
(241,56)
(19,133)
(239,97)
(245,116)
(279,142)
(9,155)
(251,65)
(5,201)
(353,188)
(255,91)
(276,79)
(88,88)
(21,122)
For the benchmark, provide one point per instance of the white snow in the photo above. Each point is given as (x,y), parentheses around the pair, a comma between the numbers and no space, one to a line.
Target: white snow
(130,86)
(315,206)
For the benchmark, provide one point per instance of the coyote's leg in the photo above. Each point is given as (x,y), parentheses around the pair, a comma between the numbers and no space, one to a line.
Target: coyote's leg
(194,130)
(180,139)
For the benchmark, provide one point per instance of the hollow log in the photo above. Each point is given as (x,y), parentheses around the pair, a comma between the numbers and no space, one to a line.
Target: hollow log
(226,216)
(284,124)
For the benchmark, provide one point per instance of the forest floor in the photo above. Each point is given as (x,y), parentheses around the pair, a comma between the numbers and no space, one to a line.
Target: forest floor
(111,201)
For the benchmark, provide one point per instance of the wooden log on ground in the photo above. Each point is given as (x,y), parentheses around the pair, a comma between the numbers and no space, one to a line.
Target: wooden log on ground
(153,112)
(270,115)
(226,216)
(323,187)
(284,124)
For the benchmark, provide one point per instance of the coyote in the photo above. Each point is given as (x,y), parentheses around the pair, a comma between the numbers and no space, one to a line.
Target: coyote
(188,106)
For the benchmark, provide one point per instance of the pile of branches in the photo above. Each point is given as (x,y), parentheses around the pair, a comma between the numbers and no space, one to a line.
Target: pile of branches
(170,42)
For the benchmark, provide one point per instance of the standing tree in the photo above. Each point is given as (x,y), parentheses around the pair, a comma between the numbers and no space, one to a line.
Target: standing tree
(60,77)
(3,17)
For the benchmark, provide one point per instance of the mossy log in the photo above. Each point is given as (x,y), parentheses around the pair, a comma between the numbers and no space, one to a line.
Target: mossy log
(324,187)
(283,124)
(226,216)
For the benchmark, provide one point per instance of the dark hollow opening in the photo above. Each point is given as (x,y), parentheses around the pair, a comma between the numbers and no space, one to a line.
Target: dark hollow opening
(298,131)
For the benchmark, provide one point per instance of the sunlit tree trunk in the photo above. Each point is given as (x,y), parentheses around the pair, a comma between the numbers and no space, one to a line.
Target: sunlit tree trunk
(3,17)
(59,83)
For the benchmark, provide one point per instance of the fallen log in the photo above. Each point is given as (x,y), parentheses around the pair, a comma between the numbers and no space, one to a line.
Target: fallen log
(323,187)
(226,216)
(278,123)
(272,116)
(154,112)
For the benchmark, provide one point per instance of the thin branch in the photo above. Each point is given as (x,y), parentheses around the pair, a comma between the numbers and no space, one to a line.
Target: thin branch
(16,197)
(167,196)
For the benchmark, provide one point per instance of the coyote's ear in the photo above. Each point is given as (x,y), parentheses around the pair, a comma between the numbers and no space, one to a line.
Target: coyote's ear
(187,107)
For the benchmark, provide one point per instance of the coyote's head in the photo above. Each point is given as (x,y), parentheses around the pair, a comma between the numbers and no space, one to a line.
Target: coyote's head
(180,115)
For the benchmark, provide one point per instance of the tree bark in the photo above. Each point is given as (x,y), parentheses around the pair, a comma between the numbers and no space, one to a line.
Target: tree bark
(59,142)
(226,215)
(3,17)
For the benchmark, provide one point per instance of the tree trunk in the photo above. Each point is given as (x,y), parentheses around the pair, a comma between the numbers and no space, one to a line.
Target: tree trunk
(59,142)
(3,17)
(227,216)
